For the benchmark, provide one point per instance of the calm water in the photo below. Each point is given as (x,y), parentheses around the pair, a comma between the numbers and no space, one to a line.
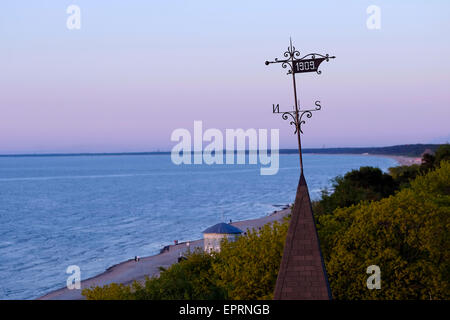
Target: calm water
(96,211)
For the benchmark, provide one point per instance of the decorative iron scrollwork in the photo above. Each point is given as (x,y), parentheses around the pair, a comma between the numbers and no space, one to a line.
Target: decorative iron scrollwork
(285,115)
(308,114)
(297,65)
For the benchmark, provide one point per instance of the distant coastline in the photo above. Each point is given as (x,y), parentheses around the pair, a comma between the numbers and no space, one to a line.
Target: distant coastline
(408,150)
(402,160)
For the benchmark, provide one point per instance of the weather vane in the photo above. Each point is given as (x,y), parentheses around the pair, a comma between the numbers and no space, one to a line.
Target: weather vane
(302,263)
(295,64)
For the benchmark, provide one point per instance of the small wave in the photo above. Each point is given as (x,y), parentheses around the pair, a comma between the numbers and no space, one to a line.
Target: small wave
(5,244)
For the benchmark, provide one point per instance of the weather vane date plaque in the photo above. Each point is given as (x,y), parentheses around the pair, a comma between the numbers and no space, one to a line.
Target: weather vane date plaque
(307,65)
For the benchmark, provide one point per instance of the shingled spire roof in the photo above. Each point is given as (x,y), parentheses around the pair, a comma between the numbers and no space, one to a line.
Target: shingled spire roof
(302,274)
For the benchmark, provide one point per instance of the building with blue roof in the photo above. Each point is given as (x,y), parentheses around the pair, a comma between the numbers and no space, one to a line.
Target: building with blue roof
(213,236)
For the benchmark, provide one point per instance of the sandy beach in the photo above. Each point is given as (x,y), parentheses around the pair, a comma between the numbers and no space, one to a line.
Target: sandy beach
(403,160)
(128,271)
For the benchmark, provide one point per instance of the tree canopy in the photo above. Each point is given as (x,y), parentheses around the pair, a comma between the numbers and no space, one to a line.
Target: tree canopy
(406,235)
(366,183)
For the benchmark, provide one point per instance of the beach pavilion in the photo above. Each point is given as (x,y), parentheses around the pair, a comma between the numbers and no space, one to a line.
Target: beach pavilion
(212,236)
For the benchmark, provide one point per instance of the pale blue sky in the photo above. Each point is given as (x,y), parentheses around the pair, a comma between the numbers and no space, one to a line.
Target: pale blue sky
(137,70)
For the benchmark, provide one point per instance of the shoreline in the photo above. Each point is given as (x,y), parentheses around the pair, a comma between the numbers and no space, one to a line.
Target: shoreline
(401,160)
(126,272)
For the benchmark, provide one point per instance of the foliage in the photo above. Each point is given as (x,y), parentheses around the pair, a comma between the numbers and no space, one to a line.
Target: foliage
(406,235)
(113,291)
(427,162)
(442,154)
(403,175)
(190,279)
(248,268)
(367,183)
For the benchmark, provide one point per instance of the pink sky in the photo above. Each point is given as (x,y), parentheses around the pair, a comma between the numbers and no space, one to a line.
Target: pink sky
(136,71)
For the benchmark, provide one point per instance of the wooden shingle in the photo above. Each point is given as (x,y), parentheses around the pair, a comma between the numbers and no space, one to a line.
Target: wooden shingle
(302,274)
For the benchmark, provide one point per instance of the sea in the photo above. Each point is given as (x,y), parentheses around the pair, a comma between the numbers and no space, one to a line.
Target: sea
(95,211)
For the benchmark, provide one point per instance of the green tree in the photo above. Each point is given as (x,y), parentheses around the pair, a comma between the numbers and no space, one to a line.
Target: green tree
(442,154)
(190,279)
(428,162)
(406,235)
(367,183)
(248,268)
(403,175)
(112,291)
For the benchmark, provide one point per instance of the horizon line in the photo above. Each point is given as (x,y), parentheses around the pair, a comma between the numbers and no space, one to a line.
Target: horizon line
(282,151)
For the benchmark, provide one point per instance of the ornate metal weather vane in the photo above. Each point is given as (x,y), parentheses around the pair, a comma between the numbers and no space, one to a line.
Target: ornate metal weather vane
(295,64)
